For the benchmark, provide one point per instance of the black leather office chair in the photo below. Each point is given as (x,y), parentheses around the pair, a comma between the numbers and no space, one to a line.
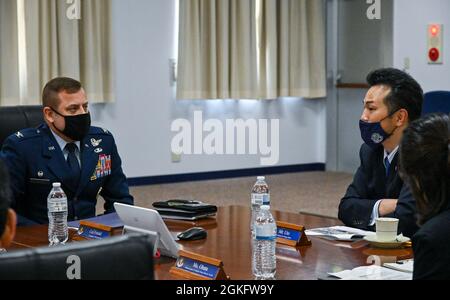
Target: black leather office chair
(127,257)
(15,118)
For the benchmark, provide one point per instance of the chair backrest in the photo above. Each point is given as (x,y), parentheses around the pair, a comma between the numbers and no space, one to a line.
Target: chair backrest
(128,257)
(435,102)
(15,118)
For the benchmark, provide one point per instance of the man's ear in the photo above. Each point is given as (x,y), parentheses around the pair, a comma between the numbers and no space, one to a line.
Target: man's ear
(48,114)
(402,117)
(10,229)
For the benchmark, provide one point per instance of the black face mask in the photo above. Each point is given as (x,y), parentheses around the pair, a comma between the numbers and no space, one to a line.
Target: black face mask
(373,134)
(77,127)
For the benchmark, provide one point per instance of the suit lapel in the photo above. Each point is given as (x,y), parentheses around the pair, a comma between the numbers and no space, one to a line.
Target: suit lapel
(89,160)
(55,159)
(379,169)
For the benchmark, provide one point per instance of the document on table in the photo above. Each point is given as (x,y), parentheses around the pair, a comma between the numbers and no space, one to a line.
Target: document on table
(338,233)
(372,273)
(403,266)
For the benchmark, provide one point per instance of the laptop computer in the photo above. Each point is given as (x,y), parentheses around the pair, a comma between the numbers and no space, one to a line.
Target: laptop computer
(144,220)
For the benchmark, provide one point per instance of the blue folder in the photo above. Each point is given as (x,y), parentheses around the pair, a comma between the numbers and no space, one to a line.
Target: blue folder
(110,220)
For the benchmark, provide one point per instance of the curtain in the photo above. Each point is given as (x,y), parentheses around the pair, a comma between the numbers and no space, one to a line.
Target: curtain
(217,49)
(9,63)
(251,49)
(292,43)
(52,42)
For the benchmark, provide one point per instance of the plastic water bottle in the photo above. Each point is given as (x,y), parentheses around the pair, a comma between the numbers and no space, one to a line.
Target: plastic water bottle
(260,196)
(264,259)
(58,232)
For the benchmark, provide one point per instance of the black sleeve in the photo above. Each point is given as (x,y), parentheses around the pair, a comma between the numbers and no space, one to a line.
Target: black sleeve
(406,212)
(16,165)
(355,209)
(425,258)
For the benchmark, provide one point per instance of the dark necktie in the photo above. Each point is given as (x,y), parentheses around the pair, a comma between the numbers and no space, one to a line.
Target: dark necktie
(72,162)
(387,164)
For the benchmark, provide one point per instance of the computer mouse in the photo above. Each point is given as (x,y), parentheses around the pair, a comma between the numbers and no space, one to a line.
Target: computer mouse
(193,234)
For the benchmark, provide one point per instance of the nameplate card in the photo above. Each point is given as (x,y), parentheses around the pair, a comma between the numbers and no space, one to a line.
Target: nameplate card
(292,235)
(197,267)
(93,231)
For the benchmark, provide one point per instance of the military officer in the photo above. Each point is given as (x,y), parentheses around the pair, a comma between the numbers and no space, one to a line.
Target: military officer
(68,150)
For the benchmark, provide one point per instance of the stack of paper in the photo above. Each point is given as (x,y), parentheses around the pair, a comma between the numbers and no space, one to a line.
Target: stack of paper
(372,273)
(339,233)
(402,266)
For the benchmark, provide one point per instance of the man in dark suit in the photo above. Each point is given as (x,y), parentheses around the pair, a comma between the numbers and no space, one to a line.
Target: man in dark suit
(67,150)
(392,102)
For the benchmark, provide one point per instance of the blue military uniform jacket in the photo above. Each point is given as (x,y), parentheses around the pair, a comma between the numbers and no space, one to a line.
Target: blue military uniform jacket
(35,162)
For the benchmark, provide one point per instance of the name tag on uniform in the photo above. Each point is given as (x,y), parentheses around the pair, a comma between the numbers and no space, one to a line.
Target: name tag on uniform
(40,181)
(103,167)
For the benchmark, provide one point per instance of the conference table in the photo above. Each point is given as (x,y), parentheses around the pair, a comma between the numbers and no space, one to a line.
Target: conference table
(229,240)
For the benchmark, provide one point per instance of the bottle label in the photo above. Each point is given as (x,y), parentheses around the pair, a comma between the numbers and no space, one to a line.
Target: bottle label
(257,199)
(265,233)
(266,199)
(58,205)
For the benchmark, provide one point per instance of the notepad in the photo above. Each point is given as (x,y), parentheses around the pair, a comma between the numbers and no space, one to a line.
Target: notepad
(338,233)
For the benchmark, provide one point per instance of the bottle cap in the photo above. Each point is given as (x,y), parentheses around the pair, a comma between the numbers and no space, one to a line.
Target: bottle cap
(56,185)
(261,178)
(265,207)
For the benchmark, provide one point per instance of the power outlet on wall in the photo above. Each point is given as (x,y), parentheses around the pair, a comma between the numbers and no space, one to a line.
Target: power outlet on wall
(406,64)
(176,158)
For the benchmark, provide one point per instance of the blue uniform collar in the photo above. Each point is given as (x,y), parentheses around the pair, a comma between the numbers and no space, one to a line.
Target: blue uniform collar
(62,143)
(58,164)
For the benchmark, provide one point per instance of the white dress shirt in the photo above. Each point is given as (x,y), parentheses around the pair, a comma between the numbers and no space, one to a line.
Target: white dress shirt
(62,144)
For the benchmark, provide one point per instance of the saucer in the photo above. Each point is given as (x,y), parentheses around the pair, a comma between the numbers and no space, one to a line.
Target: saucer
(399,242)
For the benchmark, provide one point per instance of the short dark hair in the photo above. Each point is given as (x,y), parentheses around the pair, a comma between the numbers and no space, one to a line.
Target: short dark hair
(55,86)
(425,164)
(405,93)
(5,196)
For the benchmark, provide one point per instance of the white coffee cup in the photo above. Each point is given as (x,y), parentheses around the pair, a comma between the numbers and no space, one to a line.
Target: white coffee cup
(386,229)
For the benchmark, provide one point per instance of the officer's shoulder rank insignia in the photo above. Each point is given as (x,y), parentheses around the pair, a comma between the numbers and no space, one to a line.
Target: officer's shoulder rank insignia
(27,134)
